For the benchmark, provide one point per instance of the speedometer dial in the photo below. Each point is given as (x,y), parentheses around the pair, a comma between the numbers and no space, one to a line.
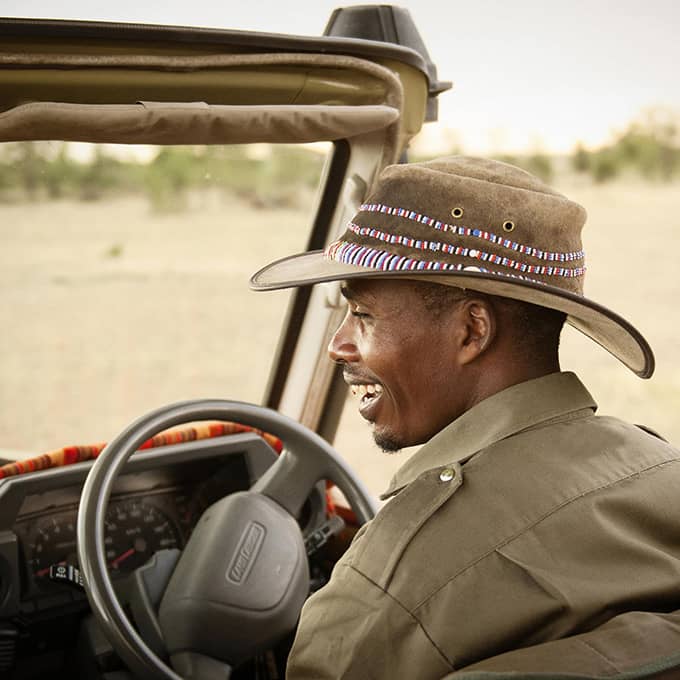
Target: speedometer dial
(135,530)
(54,543)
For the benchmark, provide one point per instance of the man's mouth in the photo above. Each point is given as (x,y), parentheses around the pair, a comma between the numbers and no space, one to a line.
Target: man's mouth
(369,395)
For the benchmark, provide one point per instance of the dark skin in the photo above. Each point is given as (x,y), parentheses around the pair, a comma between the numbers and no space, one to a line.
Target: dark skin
(414,370)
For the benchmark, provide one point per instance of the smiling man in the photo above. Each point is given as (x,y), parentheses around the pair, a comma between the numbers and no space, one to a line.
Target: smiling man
(409,394)
(523,518)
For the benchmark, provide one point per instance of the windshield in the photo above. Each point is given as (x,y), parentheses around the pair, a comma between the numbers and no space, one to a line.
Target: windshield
(124,279)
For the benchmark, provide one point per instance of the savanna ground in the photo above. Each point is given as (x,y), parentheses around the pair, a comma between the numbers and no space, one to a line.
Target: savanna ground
(110,309)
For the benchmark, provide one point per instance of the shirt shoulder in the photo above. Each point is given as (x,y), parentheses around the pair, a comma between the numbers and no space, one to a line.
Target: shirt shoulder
(525,518)
(506,488)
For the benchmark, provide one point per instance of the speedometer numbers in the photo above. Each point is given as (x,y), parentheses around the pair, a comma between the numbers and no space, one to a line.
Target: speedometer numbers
(135,530)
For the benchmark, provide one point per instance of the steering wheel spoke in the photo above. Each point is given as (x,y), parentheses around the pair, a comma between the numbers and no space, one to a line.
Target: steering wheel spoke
(289,481)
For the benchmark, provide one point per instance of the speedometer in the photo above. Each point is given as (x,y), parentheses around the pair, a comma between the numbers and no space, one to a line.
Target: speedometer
(54,542)
(135,530)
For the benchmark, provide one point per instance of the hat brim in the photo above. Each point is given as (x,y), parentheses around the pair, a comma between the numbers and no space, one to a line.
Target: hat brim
(600,324)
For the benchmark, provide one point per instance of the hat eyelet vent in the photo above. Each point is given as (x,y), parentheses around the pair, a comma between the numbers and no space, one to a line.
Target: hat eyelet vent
(457,212)
(508,225)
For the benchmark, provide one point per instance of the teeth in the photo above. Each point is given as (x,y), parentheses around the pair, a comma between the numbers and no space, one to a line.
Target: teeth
(366,390)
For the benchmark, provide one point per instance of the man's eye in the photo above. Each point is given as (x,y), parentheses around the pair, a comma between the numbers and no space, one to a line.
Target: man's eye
(359,315)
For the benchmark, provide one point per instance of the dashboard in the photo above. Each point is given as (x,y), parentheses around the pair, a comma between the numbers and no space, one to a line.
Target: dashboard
(154,506)
(151,511)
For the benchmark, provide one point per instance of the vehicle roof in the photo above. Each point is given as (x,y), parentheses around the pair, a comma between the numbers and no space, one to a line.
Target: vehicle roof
(233,40)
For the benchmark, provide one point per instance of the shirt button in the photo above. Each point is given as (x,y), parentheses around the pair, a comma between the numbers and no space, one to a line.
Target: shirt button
(447,474)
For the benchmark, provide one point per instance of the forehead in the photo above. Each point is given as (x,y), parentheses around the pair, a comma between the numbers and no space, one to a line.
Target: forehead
(389,298)
(377,290)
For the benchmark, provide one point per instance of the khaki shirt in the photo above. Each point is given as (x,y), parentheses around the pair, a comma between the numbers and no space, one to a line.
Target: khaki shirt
(525,520)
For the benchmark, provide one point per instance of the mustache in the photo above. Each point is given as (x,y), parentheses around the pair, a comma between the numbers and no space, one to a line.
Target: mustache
(350,376)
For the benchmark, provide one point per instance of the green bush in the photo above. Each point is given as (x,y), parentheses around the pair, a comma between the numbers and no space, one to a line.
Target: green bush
(168,177)
(34,170)
(63,176)
(271,181)
(581,160)
(538,164)
(605,164)
(651,151)
(650,146)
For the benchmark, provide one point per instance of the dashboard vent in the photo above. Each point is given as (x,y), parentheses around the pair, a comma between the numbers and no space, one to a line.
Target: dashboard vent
(8,644)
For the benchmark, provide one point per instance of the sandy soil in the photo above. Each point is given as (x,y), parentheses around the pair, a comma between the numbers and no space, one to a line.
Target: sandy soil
(109,310)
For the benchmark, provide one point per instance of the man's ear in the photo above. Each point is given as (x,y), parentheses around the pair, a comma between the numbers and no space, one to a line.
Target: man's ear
(477,327)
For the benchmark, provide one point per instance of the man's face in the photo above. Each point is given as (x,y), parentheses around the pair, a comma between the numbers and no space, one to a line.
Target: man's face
(399,359)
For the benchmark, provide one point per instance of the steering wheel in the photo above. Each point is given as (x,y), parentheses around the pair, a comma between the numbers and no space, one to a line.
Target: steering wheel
(243,576)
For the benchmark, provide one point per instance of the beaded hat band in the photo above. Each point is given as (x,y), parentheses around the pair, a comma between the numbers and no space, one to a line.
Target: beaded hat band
(477,224)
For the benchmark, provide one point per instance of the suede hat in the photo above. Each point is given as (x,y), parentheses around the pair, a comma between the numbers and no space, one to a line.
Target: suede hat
(477,224)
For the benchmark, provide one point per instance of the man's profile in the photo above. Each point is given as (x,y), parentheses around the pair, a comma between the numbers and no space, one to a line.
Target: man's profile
(524,517)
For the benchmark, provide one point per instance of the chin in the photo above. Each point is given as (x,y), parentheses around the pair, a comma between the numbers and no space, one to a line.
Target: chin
(388,442)
(391,442)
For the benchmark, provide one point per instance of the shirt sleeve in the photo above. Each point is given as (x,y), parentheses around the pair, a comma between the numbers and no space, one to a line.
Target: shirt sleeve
(352,629)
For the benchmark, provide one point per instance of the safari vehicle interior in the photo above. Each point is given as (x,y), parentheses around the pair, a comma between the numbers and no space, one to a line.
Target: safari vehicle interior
(187,546)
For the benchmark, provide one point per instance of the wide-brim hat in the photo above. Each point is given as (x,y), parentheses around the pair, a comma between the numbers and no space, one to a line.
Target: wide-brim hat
(476,224)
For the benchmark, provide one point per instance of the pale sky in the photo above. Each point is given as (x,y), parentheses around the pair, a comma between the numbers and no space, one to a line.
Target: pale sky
(527,74)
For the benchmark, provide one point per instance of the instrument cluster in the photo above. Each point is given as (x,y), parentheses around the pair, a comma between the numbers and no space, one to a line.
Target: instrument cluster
(135,529)
(139,522)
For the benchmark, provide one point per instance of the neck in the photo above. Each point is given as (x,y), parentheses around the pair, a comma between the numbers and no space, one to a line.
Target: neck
(496,375)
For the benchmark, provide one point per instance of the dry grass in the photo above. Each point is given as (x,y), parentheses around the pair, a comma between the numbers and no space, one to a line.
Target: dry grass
(632,238)
(109,310)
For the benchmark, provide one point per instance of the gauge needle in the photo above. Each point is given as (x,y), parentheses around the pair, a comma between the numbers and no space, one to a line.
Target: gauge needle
(123,557)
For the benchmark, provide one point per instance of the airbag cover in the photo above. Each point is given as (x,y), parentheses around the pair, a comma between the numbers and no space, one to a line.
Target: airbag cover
(240,583)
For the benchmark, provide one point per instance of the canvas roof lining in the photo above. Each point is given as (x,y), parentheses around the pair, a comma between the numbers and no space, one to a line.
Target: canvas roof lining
(132,123)
(206,61)
(198,123)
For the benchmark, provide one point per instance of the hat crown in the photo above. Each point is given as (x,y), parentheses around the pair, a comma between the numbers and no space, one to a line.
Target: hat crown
(467,214)
(486,170)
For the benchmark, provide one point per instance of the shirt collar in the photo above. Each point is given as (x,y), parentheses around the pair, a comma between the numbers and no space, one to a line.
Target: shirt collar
(499,416)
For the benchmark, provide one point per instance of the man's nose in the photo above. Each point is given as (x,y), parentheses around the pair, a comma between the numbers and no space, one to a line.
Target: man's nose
(342,348)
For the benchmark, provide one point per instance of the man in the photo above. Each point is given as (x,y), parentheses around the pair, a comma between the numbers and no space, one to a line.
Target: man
(524,518)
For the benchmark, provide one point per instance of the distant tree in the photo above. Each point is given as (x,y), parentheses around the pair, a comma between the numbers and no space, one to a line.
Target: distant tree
(30,166)
(540,165)
(275,176)
(288,170)
(649,146)
(102,176)
(508,158)
(605,165)
(62,176)
(580,160)
(9,179)
(652,148)
(169,176)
